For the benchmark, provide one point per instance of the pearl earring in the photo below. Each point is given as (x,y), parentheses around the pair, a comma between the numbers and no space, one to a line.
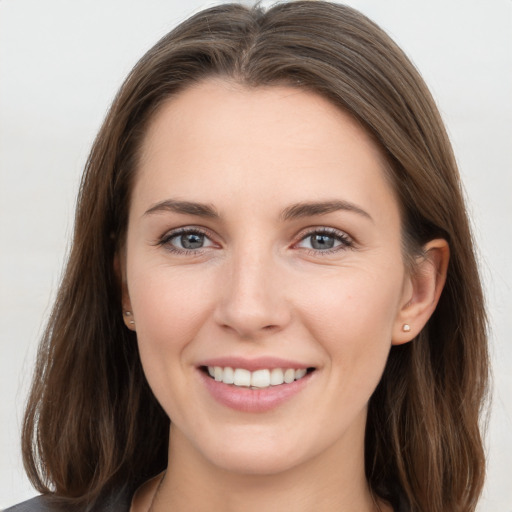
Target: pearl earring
(406,328)
(129,313)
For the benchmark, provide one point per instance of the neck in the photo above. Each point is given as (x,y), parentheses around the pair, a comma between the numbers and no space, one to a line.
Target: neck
(332,481)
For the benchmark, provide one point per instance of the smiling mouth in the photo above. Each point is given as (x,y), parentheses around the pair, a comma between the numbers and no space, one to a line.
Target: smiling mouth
(258,379)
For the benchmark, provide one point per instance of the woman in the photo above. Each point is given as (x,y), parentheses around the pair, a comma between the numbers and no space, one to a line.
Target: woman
(272,298)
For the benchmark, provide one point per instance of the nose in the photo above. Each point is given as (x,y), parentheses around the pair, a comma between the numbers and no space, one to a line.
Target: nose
(252,300)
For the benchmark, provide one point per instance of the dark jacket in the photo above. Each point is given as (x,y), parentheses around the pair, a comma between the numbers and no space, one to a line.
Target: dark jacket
(117,503)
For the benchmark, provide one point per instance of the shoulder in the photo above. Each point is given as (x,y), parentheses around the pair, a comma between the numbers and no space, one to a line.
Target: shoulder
(39,504)
(115,502)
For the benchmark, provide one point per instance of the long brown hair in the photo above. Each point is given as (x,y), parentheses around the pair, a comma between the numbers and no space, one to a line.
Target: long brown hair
(92,423)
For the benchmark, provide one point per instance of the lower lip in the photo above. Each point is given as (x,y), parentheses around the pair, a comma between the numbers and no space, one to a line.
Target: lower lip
(253,400)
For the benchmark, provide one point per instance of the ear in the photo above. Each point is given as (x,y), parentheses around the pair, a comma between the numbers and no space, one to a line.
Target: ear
(422,291)
(120,272)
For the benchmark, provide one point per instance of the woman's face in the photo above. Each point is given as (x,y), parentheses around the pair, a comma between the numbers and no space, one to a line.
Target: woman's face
(263,238)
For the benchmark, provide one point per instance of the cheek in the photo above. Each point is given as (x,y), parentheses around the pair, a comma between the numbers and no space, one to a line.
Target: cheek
(169,309)
(353,325)
(354,302)
(352,317)
(169,306)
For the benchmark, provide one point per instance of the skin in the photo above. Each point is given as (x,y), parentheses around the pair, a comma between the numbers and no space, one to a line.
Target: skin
(258,287)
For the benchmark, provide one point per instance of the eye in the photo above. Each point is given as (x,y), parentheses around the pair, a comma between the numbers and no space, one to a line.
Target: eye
(186,241)
(326,240)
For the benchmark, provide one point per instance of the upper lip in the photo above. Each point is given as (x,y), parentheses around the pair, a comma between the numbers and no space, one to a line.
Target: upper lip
(253,364)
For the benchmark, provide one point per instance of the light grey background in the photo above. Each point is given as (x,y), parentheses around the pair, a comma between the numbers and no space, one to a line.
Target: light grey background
(61,63)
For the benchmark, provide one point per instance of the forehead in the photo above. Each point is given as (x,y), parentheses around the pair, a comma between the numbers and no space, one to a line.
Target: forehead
(220,138)
(214,107)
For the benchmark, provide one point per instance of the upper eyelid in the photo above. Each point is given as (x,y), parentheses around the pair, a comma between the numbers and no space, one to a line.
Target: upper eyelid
(325,230)
(186,229)
(322,229)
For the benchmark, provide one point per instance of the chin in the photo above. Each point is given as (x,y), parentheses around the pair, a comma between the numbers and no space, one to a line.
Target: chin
(256,464)
(256,454)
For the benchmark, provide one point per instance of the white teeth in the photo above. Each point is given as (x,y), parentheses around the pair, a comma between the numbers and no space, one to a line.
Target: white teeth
(289,376)
(276,377)
(260,379)
(257,379)
(300,373)
(229,376)
(242,377)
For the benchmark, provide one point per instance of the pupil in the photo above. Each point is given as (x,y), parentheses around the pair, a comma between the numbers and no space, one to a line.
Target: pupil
(322,242)
(192,241)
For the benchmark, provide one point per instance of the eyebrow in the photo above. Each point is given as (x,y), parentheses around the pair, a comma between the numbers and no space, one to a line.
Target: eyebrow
(186,207)
(294,211)
(310,209)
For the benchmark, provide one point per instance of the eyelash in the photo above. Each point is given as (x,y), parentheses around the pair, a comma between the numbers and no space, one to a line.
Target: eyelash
(345,241)
(165,241)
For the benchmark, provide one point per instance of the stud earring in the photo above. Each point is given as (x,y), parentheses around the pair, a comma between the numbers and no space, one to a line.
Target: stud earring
(129,313)
(406,328)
